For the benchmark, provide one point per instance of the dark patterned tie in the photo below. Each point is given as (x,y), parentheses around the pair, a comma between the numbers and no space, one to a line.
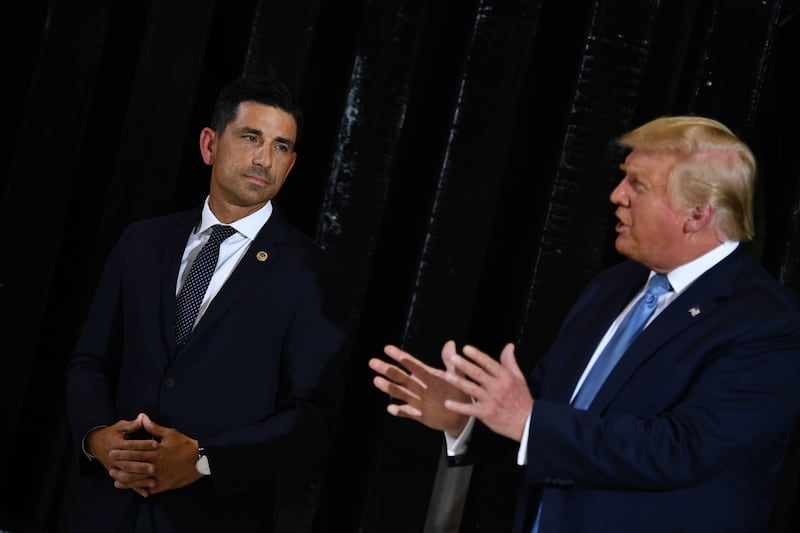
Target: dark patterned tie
(194,288)
(631,326)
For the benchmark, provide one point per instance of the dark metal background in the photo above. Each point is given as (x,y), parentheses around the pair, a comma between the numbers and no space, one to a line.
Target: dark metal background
(457,154)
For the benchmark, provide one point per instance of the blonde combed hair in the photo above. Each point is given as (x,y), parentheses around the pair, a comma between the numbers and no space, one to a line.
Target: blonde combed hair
(714,167)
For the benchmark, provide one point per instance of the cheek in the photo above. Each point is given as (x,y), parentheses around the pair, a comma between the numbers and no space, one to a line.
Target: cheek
(656,223)
(287,163)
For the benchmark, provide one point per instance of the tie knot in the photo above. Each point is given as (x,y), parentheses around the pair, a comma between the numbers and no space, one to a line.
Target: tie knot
(658,285)
(219,233)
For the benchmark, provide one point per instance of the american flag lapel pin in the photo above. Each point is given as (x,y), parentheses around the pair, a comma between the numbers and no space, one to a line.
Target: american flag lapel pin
(694,311)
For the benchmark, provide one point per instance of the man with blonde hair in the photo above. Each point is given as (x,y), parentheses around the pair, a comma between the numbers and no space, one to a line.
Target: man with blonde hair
(666,401)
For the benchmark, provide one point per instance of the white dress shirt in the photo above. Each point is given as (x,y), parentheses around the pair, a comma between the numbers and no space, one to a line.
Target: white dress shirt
(231,250)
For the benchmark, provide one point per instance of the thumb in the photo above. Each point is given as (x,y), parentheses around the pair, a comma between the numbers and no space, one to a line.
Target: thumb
(448,350)
(151,427)
(509,361)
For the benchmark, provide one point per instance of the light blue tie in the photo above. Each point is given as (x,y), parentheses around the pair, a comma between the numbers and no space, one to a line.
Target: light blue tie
(631,326)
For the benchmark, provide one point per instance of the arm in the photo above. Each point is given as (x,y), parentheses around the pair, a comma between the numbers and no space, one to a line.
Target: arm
(283,355)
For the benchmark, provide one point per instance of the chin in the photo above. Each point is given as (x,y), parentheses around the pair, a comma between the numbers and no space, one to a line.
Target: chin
(622,249)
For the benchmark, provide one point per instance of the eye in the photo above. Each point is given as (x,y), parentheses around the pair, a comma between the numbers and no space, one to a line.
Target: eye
(250,138)
(636,184)
(283,148)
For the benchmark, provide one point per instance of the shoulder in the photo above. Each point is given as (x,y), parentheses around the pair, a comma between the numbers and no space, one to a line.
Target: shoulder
(153,234)
(296,241)
(169,220)
(746,279)
(618,277)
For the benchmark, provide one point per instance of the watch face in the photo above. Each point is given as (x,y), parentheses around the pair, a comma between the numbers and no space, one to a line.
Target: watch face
(202,465)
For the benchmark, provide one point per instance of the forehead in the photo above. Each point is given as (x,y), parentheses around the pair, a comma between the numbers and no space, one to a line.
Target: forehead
(266,120)
(650,166)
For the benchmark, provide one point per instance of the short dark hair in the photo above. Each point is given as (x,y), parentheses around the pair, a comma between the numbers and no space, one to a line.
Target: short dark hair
(262,90)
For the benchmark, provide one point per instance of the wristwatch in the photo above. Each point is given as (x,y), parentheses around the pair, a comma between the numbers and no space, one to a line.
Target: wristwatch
(202,462)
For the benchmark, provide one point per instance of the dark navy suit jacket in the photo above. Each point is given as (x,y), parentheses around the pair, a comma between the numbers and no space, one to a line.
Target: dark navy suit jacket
(259,382)
(689,431)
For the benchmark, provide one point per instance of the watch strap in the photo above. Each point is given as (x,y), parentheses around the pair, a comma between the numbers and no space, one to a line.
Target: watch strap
(202,465)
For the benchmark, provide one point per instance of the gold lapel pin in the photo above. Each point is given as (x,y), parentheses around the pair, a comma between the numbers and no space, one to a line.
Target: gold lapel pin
(694,311)
(262,255)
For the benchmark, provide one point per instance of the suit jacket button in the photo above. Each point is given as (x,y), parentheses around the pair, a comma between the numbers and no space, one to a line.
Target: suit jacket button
(169,383)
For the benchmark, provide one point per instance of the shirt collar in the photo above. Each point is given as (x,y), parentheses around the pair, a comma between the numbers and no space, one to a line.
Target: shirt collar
(248,226)
(684,275)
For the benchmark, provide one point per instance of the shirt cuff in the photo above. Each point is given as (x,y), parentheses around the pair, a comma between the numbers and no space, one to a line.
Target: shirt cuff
(83,442)
(458,445)
(522,455)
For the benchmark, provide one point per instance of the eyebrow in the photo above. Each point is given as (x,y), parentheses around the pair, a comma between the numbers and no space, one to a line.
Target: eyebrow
(284,140)
(255,131)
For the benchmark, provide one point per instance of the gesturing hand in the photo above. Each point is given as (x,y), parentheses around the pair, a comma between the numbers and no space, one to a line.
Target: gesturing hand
(423,388)
(500,395)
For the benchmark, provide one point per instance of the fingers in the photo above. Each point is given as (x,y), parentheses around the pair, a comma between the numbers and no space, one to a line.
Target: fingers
(411,375)
(394,390)
(482,360)
(471,365)
(403,411)
(128,426)
(133,469)
(448,351)
(380,366)
(150,426)
(133,475)
(463,408)
(141,491)
(478,374)
(406,360)
(396,353)
(154,429)
(509,361)
(134,450)
(124,480)
(393,376)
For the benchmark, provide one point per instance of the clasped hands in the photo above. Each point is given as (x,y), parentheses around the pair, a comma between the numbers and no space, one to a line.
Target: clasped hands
(147,465)
(472,384)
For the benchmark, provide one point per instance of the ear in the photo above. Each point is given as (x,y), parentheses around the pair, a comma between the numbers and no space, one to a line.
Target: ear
(699,217)
(208,141)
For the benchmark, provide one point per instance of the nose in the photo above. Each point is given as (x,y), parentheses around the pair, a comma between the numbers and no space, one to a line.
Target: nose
(261,156)
(619,196)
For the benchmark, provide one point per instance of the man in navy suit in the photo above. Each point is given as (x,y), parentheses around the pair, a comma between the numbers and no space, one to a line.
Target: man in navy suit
(195,436)
(688,431)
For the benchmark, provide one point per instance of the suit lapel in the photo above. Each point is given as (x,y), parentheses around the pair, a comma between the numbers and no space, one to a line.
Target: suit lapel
(697,302)
(174,246)
(604,301)
(255,263)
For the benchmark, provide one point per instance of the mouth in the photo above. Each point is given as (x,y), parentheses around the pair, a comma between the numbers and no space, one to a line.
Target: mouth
(620,224)
(258,179)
